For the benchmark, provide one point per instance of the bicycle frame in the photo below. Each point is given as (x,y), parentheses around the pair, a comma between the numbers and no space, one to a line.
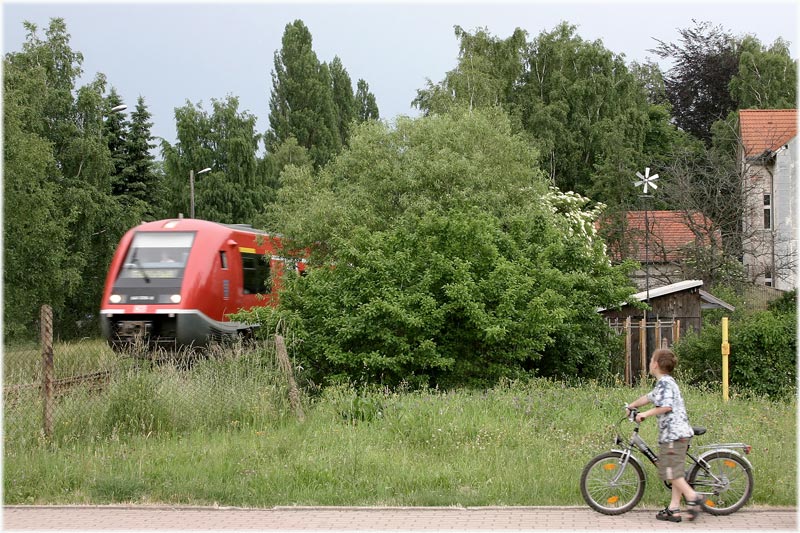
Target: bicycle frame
(637,443)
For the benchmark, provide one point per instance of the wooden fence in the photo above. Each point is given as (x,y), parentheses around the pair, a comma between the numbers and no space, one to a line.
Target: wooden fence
(642,337)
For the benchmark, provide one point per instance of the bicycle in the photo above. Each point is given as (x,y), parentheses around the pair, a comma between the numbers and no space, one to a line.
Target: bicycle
(613,482)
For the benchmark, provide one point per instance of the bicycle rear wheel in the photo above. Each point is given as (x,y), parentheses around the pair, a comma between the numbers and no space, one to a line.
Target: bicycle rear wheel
(724,485)
(609,487)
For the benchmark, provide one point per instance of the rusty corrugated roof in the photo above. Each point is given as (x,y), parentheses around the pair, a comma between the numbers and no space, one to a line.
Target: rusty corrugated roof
(766,129)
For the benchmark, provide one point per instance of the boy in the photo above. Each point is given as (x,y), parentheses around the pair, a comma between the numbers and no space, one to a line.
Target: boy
(674,432)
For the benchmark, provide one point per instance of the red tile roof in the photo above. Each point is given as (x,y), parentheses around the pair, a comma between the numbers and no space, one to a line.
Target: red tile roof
(766,129)
(670,233)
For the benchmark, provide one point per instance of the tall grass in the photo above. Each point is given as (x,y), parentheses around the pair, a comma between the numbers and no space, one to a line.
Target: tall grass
(223,433)
(22,361)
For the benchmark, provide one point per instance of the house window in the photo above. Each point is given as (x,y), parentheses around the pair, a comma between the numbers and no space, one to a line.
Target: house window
(768,278)
(767,211)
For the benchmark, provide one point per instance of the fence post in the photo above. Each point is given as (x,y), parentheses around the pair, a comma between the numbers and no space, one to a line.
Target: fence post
(628,354)
(46,332)
(643,348)
(286,365)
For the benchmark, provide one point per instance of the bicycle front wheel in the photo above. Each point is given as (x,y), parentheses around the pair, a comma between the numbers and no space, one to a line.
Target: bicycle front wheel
(611,487)
(724,483)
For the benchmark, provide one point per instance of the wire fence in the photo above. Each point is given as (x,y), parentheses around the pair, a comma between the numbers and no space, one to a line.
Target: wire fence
(57,391)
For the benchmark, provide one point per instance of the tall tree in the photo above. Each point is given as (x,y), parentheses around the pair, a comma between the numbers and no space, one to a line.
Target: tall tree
(366,105)
(705,60)
(488,69)
(766,77)
(88,216)
(585,110)
(35,240)
(139,175)
(301,104)
(235,190)
(115,130)
(343,99)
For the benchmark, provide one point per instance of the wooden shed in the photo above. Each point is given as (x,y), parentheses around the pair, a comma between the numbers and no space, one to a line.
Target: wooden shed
(673,310)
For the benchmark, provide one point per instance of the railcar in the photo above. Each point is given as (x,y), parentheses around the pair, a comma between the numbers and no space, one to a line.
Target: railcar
(175,282)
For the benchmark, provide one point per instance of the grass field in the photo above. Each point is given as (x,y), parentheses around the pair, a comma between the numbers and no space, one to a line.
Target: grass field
(223,433)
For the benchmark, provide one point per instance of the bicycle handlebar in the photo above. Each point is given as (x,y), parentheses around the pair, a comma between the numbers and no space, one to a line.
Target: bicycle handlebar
(632,412)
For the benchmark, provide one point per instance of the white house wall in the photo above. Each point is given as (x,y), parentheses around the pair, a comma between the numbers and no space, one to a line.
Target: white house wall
(785,216)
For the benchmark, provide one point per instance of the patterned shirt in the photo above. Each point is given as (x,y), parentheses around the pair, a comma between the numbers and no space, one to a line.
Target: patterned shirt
(673,425)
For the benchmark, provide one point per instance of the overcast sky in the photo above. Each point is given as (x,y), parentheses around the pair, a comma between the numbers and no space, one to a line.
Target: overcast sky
(198,51)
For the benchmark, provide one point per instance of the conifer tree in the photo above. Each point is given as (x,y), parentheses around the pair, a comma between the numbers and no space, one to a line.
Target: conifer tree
(140,177)
(115,131)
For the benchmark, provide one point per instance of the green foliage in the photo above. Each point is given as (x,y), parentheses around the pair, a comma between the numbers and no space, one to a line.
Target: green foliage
(487,70)
(225,140)
(140,177)
(366,106)
(763,359)
(767,77)
(32,234)
(343,99)
(441,258)
(587,111)
(302,102)
(60,162)
(704,62)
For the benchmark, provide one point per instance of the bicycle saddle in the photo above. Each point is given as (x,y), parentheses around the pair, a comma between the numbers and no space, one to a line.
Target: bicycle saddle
(698,430)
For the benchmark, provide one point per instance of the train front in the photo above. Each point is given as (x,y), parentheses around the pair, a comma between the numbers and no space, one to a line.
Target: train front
(143,299)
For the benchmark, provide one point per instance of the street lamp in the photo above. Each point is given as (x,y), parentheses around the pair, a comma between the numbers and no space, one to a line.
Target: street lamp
(191,188)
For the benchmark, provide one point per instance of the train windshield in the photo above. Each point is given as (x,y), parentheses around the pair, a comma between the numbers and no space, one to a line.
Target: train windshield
(157,256)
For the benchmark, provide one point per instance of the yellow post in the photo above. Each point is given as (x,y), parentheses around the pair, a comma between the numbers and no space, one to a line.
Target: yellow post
(726,351)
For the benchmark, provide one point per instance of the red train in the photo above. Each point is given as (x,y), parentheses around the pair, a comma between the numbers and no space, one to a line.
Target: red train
(174,282)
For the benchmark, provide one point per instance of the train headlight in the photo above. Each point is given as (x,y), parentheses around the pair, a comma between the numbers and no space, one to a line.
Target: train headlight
(175,298)
(115,298)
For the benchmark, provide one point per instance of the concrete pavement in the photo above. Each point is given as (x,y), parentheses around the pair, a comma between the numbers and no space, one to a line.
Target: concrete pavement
(161,517)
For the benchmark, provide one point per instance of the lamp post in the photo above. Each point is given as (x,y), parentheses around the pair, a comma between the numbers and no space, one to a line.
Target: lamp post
(191,188)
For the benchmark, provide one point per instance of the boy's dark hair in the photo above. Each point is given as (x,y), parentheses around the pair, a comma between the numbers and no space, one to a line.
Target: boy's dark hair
(666,360)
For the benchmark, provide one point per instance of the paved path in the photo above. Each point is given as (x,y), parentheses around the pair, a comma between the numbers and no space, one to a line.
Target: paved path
(71,518)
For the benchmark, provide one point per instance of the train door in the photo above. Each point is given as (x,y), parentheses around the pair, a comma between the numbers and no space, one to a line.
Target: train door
(228,291)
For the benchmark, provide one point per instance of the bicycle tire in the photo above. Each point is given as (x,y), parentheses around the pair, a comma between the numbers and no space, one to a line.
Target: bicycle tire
(602,494)
(731,492)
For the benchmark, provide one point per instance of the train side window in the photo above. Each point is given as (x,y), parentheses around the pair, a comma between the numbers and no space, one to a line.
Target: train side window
(223,259)
(255,270)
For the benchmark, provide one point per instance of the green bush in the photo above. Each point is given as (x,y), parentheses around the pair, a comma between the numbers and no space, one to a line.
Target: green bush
(763,358)
(441,258)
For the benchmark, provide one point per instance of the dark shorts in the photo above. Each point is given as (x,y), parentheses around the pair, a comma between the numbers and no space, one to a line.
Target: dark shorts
(672,459)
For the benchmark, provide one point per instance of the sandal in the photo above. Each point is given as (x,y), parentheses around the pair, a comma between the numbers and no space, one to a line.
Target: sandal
(693,509)
(669,515)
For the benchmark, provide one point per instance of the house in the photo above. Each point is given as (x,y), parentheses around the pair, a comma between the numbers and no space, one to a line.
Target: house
(767,155)
(673,243)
